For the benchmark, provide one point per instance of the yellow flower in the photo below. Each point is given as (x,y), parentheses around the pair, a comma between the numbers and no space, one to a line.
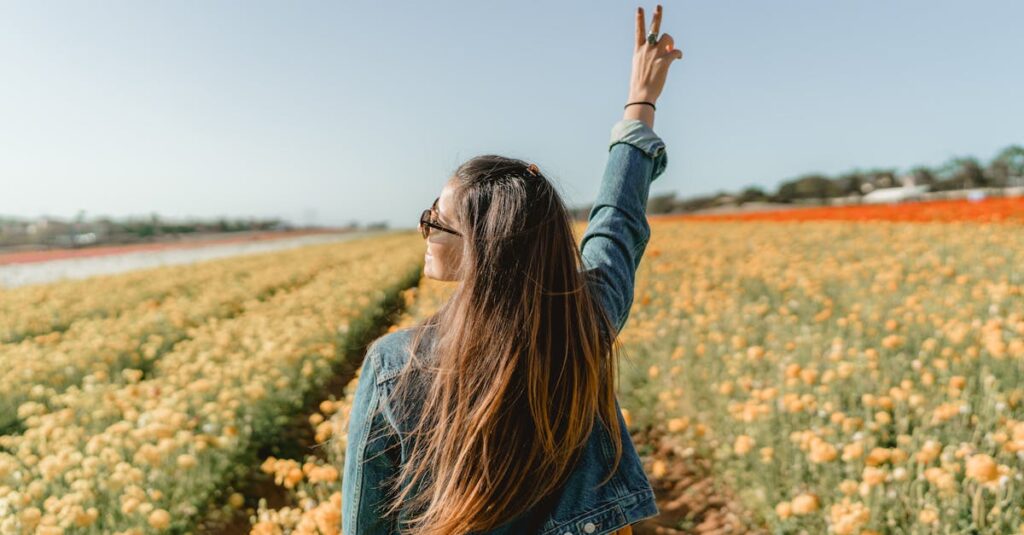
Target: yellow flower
(129,504)
(853,451)
(805,504)
(328,518)
(743,444)
(784,510)
(186,461)
(982,467)
(877,456)
(942,479)
(659,469)
(159,519)
(328,406)
(928,515)
(822,452)
(326,474)
(676,425)
(269,465)
(873,476)
(30,517)
(928,452)
(84,518)
(847,518)
(236,500)
(292,478)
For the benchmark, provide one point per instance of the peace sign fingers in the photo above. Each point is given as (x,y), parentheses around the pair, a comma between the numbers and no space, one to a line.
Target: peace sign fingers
(641,33)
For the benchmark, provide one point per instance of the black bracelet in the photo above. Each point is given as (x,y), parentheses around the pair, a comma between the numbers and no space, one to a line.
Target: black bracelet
(651,104)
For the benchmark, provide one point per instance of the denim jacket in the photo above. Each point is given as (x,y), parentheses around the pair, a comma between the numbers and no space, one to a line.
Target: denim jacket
(611,247)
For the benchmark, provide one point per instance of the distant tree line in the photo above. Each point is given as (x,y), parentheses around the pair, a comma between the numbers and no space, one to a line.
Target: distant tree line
(78,231)
(1006,169)
(154,225)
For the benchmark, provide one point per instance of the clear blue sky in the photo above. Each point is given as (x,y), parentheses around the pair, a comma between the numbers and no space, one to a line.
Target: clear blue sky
(338,111)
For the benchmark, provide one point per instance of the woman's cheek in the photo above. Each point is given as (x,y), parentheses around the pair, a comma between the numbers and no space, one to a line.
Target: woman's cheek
(452,260)
(437,262)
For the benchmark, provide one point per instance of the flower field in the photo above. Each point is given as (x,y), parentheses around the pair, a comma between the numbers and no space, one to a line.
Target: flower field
(990,210)
(844,378)
(146,450)
(134,322)
(841,377)
(313,483)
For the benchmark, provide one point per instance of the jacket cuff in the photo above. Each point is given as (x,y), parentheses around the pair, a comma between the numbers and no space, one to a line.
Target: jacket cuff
(638,134)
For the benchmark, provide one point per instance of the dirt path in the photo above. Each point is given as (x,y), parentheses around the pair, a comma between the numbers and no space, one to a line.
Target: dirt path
(690,499)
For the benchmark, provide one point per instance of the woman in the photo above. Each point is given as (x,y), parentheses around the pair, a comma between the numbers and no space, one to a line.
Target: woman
(498,414)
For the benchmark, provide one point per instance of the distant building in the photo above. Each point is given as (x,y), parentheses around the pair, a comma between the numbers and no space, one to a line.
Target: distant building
(724,200)
(975,195)
(894,195)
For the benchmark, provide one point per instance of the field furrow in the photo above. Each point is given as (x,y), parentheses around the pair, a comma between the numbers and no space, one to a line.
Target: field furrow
(36,370)
(40,309)
(151,455)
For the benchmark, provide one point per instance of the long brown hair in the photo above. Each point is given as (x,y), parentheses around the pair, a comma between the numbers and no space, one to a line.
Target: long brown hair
(523,359)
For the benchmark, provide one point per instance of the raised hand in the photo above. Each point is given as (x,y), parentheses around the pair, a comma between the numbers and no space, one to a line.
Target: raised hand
(651,62)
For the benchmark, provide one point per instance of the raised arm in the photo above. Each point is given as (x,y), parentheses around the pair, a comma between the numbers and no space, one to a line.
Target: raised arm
(617,229)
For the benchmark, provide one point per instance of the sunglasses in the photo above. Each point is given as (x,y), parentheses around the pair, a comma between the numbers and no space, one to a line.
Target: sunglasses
(427,222)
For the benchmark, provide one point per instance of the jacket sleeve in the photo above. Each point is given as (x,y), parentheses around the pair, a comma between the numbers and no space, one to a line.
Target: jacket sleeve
(617,230)
(369,461)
